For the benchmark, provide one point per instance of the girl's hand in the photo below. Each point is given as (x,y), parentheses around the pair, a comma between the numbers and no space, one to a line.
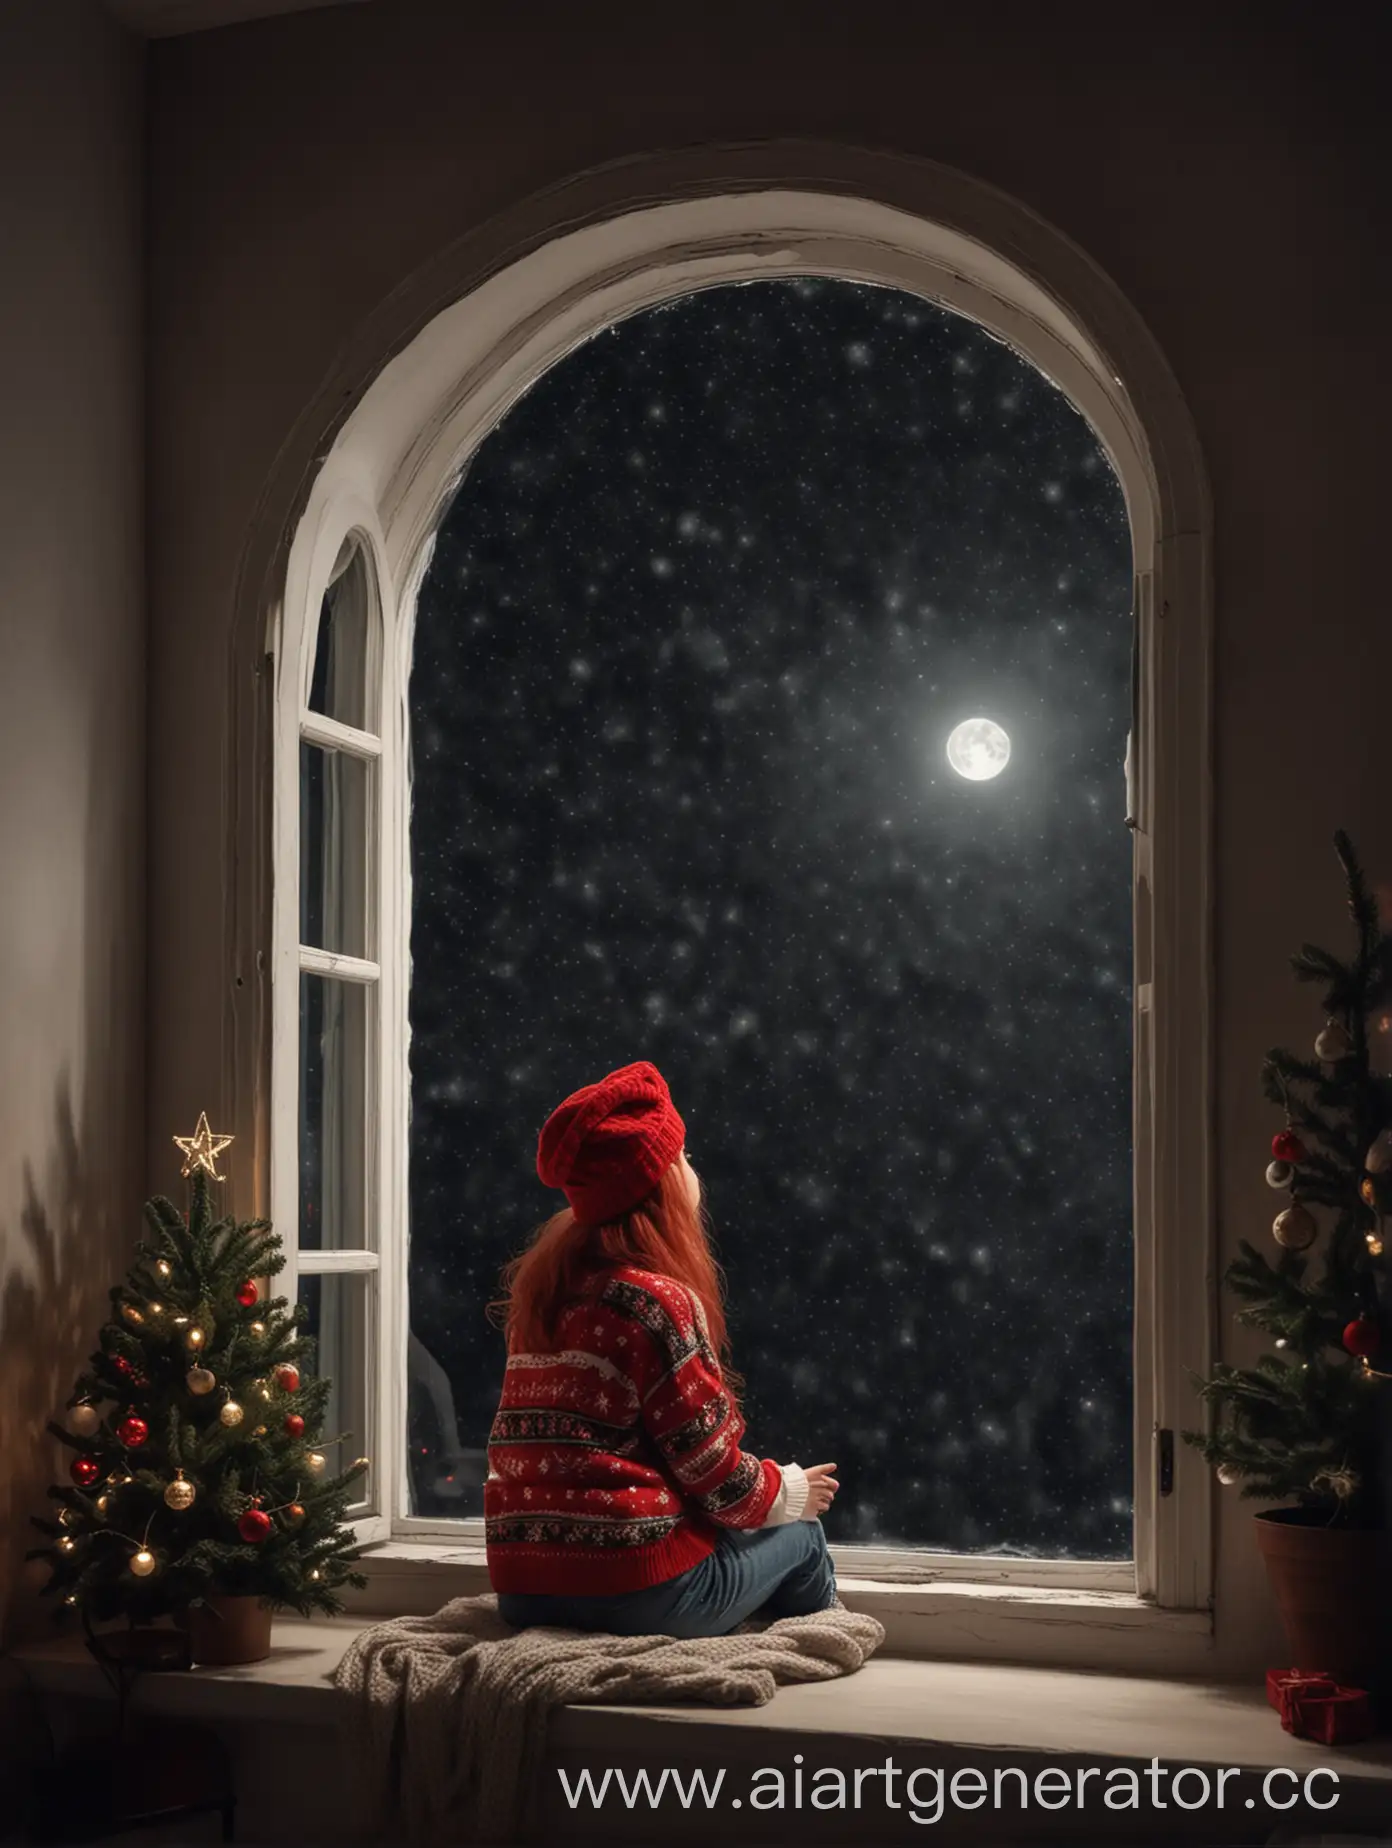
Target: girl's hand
(821,1490)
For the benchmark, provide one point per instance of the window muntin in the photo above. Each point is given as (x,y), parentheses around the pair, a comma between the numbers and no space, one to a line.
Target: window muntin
(338,1034)
(577,896)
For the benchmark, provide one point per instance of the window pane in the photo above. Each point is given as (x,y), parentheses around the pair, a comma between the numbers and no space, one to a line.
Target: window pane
(335,1021)
(446,1473)
(336,835)
(694,637)
(339,1324)
(343,645)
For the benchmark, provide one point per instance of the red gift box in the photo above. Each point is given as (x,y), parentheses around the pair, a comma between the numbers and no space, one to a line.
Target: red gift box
(1312,1705)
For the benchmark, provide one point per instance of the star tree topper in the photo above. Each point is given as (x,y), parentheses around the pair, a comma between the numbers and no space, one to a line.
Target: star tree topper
(202,1148)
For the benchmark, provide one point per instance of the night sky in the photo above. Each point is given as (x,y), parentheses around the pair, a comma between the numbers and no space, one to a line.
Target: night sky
(695,632)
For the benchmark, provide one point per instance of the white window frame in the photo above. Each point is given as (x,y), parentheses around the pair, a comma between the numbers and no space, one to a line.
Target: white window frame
(392,468)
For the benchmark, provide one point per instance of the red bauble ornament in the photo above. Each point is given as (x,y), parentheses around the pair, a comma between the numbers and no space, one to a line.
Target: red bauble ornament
(294,1425)
(1361,1337)
(287,1377)
(132,1431)
(1287,1146)
(248,1295)
(84,1471)
(254,1526)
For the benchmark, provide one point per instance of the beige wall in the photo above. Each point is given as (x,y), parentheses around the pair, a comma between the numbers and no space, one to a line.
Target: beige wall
(72,644)
(1221,173)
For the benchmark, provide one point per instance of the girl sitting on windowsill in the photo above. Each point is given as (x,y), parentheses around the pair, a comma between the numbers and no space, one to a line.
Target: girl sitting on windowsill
(618,1497)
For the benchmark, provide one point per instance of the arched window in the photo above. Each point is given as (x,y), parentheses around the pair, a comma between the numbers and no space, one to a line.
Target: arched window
(341,1097)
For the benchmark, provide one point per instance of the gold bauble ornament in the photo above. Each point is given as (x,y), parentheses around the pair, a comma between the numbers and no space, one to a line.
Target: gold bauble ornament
(1379,1157)
(103,1503)
(200,1380)
(180,1495)
(231,1414)
(143,1563)
(1332,1043)
(1294,1229)
(316,1461)
(1228,1475)
(84,1419)
(258,1329)
(362,1462)
(260,1431)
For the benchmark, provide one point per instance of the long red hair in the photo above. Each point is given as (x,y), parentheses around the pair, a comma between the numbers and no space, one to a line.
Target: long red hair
(565,1263)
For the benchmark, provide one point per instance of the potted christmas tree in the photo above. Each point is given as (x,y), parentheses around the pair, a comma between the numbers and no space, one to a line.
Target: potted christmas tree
(200,1488)
(1304,1425)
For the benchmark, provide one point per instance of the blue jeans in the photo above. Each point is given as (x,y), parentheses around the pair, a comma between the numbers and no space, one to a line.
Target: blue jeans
(778,1571)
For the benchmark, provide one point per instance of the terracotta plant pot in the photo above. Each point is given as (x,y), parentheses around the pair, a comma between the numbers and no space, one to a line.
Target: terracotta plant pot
(1330,1585)
(225,1630)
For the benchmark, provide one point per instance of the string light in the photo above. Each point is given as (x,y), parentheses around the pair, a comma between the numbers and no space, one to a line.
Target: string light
(67,1544)
(194,1338)
(163,1270)
(143,1563)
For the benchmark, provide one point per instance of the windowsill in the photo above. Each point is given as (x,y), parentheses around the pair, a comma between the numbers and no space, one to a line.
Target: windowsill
(944,1705)
(941,1620)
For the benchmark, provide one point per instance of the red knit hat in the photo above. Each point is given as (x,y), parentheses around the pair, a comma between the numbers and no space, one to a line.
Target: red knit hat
(609,1143)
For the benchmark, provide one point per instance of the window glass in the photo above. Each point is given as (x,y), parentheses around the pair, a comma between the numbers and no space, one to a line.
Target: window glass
(334,1024)
(338,688)
(335,846)
(695,636)
(339,1307)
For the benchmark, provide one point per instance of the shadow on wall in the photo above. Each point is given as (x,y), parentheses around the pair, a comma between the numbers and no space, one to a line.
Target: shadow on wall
(53,1301)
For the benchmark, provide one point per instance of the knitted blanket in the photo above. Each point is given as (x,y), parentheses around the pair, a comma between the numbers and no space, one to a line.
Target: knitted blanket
(448,1714)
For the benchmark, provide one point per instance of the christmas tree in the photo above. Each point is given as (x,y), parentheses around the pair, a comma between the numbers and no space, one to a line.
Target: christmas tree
(198,1466)
(1303,1423)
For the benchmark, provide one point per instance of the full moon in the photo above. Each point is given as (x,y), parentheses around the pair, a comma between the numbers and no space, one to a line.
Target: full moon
(978,749)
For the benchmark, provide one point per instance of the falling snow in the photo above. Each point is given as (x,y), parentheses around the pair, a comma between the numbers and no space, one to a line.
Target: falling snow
(693,637)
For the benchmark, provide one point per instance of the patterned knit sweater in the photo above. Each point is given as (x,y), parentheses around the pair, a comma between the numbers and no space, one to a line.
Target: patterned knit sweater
(615,1460)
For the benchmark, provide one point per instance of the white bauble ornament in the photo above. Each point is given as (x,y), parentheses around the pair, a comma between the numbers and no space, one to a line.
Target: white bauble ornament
(1280,1174)
(231,1414)
(1332,1043)
(1228,1475)
(1379,1157)
(316,1460)
(1294,1229)
(84,1419)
